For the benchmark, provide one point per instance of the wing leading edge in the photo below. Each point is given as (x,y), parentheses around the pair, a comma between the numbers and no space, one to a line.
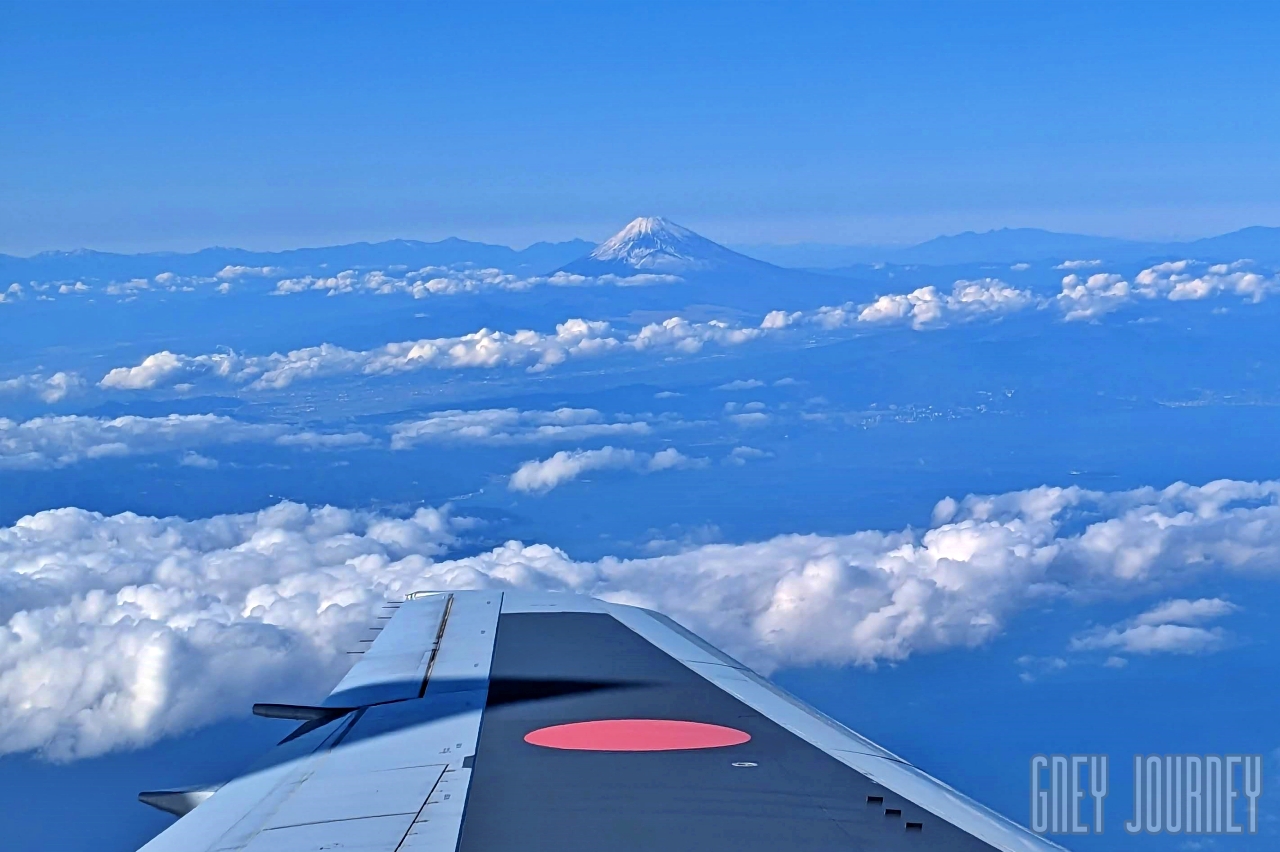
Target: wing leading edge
(495,722)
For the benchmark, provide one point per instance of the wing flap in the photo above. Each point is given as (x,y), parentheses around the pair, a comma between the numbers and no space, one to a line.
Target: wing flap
(394,668)
(379,773)
(375,834)
(439,823)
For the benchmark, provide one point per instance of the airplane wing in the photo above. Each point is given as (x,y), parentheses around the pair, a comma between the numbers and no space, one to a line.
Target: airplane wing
(498,721)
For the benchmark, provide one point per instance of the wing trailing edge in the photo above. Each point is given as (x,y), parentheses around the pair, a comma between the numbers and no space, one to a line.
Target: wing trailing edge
(478,721)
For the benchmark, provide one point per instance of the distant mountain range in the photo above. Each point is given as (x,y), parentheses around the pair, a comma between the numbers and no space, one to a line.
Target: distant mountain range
(647,245)
(537,259)
(1016,245)
(653,245)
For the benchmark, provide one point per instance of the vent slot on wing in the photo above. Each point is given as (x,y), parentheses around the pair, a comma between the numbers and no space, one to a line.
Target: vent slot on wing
(875,800)
(893,812)
(915,826)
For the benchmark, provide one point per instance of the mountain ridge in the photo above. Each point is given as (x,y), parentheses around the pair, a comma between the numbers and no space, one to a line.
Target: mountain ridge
(651,245)
(1017,245)
(536,259)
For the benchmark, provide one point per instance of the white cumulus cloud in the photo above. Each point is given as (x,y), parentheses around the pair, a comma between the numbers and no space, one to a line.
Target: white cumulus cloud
(154,370)
(230,273)
(115,631)
(1174,281)
(926,307)
(1172,627)
(1185,279)
(50,389)
(1087,298)
(739,456)
(540,476)
(193,459)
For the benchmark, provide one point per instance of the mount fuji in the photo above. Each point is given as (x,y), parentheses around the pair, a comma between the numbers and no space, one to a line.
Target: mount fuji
(651,244)
(707,273)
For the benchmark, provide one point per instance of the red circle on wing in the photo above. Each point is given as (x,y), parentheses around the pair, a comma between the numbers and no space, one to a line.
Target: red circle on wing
(636,735)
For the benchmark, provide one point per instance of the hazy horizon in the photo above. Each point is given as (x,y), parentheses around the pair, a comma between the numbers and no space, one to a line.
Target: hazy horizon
(730,243)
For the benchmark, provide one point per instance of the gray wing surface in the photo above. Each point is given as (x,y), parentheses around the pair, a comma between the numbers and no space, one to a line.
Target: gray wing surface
(494,722)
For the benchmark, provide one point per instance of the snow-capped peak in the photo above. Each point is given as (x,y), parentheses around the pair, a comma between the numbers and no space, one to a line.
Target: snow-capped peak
(652,227)
(651,242)
(659,246)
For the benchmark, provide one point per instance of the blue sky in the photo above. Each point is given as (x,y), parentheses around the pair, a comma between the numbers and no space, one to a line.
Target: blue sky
(173,126)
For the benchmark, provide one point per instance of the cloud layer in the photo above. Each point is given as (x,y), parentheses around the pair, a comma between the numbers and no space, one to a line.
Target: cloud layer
(418,283)
(484,349)
(50,442)
(452,280)
(120,630)
(1176,281)
(115,631)
(45,442)
(513,426)
(923,309)
(533,350)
